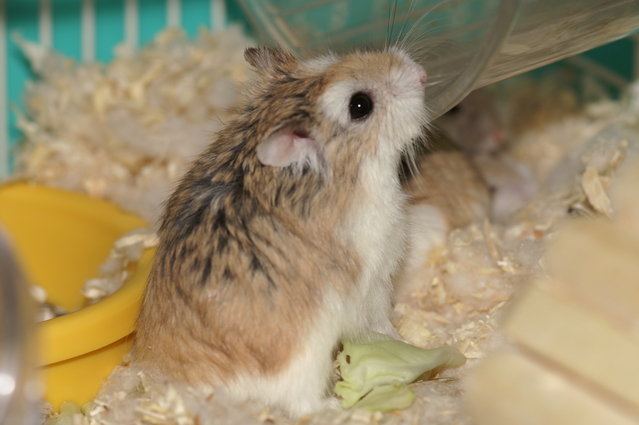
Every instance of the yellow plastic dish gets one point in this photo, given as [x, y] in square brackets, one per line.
[61, 238]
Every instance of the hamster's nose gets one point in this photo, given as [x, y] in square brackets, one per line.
[419, 73]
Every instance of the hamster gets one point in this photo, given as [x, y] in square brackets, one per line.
[476, 127]
[450, 182]
[284, 235]
[474, 124]
[446, 192]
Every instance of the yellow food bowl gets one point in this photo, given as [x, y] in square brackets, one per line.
[61, 238]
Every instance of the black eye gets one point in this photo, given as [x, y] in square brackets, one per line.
[361, 105]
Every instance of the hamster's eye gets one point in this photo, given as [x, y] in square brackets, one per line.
[360, 106]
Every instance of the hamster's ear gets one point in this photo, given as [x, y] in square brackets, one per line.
[269, 59]
[287, 147]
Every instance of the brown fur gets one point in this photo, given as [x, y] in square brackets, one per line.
[244, 248]
[450, 181]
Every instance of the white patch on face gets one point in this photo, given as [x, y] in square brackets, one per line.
[335, 100]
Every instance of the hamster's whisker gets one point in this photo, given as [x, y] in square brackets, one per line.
[421, 44]
[411, 160]
[411, 7]
[412, 157]
[328, 35]
[392, 11]
[422, 40]
[433, 82]
[419, 21]
[427, 55]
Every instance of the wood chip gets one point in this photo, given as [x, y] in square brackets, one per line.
[595, 192]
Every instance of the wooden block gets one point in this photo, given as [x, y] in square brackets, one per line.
[625, 195]
[579, 340]
[509, 388]
[578, 334]
[599, 263]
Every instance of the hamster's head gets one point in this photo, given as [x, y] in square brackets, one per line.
[334, 112]
[474, 124]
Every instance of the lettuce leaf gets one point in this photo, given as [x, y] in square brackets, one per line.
[378, 367]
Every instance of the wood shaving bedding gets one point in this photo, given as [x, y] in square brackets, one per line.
[110, 131]
[457, 295]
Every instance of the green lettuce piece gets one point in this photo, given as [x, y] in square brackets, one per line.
[386, 398]
[378, 360]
